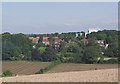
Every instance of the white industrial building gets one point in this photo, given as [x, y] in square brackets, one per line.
[93, 30]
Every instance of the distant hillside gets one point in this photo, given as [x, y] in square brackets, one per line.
[99, 47]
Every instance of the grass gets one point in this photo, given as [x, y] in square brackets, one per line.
[50, 66]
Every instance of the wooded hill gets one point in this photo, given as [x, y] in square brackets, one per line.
[96, 47]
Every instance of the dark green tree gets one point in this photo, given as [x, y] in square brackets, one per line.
[49, 54]
[36, 55]
[91, 54]
[16, 47]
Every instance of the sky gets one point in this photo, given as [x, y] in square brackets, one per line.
[50, 17]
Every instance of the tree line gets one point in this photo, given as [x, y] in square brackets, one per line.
[81, 49]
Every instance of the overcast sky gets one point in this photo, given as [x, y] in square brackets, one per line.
[50, 17]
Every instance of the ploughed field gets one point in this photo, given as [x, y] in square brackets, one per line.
[29, 68]
[68, 67]
[23, 67]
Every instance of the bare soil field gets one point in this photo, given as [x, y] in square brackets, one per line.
[23, 67]
[103, 75]
[67, 67]
[29, 68]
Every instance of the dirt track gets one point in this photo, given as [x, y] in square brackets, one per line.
[104, 75]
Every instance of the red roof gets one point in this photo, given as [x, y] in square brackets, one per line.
[34, 39]
[45, 38]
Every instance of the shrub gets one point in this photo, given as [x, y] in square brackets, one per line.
[41, 71]
[111, 61]
[51, 65]
[7, 73]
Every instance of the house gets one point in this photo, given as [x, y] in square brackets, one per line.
[80, 34]
[34, 39]
[77, 34]
[45, 41]
[101, 43]
[57, 42]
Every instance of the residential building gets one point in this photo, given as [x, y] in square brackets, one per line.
[80, 34]
[34, 39]
[101, 43]
[45, 41]
[57, 42]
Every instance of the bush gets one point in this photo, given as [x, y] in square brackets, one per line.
[118, 60]
[41, 71]
[7, 73]
[111, 61]
[51, 65]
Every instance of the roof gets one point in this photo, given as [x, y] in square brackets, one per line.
[45, 38]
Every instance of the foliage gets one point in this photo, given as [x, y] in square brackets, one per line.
[112, 50]
[41, 71]
[35, 55]
[91, 54]
[42, 49]
[111, 61]
[62, 47]
[50, 66]
[49, 54]
[16, 47]
[7, 73]
[73, 49]
[40, 44]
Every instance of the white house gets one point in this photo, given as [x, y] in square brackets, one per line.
[80, 34]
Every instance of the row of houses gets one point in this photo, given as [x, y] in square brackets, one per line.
[57, 40]
[101, 43]
[46, 42]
